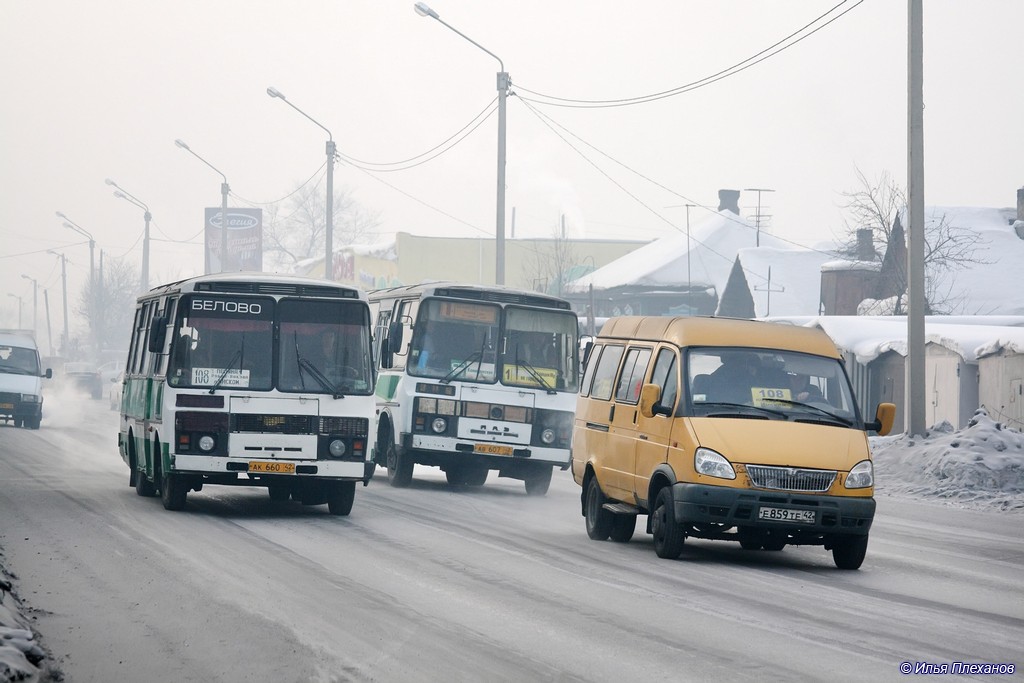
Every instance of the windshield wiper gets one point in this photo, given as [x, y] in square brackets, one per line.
[462, 367]
[837, 418]
[522, 362]
[227, 368]
[742, 406]
[315, 373]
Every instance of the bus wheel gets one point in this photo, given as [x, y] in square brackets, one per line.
[341, 497]
[668, 534]
[400, 466]
[623, 527]
[476, 476]
[599, 520]
[537, 483]
[32, 422]
[173, 491]
[143, 486]
[279, 492]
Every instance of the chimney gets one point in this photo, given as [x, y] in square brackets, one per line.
[730, 199]
[865, 245]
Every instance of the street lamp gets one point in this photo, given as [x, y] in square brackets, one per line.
[64, 290]
[19, 307]
[329, 218]
[35, 303]
[124, 194]
[503, 86]
[224, 189]
[68, 223]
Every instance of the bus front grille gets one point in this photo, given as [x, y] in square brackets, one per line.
[273, 424]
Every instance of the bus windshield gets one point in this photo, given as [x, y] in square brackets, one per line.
[481, 342]
[325, 347]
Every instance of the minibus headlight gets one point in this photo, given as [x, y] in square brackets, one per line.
[706, 461]
[548, 436]
[336, 448]
[206, 443]
[30, 398]
[439, 425]
[861, 476]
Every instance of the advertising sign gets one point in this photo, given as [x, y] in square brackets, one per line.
[245, 240]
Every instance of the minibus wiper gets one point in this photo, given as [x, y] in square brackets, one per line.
[462, 368]
[837, 418]
[744, 406]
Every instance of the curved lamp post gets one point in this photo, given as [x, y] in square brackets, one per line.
[503, 86]
[124, 194]
[329, 218]
[224, 189]
[68, 223]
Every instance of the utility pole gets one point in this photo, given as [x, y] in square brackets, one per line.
[49, 331]
[915, 372]
[64, 295]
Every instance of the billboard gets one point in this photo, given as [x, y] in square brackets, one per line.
[245, 240]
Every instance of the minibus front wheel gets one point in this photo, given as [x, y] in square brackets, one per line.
[668, 533]
[599, 520]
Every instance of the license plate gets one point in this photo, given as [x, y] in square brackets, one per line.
[492, 449]
[786, 515]
[7, 406]
[272, 467]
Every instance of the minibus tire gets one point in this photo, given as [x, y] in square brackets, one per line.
[399, 467]
[537, 483]
[668, 534]
[599, 520]
[848, 553]
[623, 527]
[341, 497]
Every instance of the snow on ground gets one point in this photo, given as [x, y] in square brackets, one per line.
[980, 467]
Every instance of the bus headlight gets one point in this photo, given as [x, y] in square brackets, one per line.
[706, 461]
[548, 436]
[439, 425]
[861, 476]
[336, 448]
[206, 443]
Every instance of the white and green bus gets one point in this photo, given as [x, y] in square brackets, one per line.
[250, 379]
[474, 379]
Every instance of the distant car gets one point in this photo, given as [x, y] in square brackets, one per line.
[114, 391]
[84, 377]
[109, 370]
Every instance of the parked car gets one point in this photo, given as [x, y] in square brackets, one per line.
[84, 377]
[114, 391]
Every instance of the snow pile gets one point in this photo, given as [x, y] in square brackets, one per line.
[19, 652]
[980, 466]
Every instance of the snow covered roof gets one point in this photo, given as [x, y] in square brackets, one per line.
[709, 251]
[795, 284]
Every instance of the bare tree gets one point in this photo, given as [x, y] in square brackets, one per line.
[880, 206]
[109, 307]
[295, 228]
[552, 263]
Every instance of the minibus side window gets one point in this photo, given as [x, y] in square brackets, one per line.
[632, 377]
[604, 376]
[588, 376]
[666, 377]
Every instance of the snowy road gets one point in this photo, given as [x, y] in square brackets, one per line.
[428, 583]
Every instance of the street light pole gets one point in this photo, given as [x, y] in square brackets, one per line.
[68, 223]
[224, 189]
[503, 86]
[329, 218]
[64, 292]
[124, 194]
[35, 304]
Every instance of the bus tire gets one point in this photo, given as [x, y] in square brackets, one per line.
[279, 492]
[668, 534]
[537, 483]
[341, 497]
[173, 491]
[32, 422]
[143, 486]
[400, 466]
[599, 520]
[477, 476]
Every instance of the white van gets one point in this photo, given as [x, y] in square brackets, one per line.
[21, 387]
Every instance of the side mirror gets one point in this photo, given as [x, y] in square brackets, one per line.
[394, 341]
[157, 334]
[885, 415]
[650, 395]
[48, 374]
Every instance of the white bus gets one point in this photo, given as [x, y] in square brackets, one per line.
[249, 379]
[473, 379]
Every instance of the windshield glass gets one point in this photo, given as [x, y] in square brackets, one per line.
[18, 360]
[769, 382]
[223, 341]
[455, 340]
[324, 347]
[540, 349]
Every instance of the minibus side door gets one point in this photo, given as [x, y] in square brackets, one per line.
[654, 433]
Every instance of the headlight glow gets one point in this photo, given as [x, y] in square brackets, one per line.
[30, 398]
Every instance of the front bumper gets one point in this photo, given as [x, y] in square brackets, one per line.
[320, 469]
[720, 505]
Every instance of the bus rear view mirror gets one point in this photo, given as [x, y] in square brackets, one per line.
[158, 335]
[395, 337]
